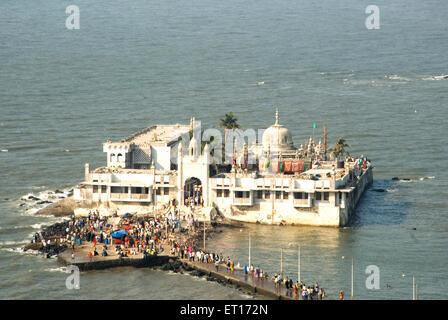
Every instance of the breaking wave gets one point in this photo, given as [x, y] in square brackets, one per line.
[435, 78]
[60, 269]
[397, 77]
[35, 201]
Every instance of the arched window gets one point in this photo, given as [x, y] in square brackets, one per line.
[112, 157]
[119, 157]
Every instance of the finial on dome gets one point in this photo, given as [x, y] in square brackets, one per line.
[276, 116]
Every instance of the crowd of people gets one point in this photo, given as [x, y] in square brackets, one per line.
[150, 236]
[298, 289]
[143, 235]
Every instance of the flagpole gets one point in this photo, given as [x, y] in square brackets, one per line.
[281, 261]
[298, 273]
[249, 251]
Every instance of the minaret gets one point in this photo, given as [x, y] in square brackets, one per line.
[325, 142]
[180, 188]
[276, 116]
[86, 171]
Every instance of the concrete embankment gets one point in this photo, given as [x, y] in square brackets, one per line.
[263, 287]
[96, 263]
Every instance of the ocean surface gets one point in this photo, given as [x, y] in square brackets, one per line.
[137, 63]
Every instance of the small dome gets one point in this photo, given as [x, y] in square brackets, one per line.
[277, 138]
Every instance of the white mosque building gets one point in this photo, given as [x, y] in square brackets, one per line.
[153, 170]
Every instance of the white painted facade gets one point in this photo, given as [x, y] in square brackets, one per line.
[150, 169]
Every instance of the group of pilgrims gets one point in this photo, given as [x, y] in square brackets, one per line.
[148, 235]
[298, 289]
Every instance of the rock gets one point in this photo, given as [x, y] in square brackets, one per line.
[33, 198]
[210, 279]
[167, 266]
[58, 191]
[197, 273]
[44, 202]
[379, 190]
[400, 179]
[188, 268]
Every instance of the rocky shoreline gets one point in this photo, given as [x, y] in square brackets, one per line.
[51, 233]
[64, 207]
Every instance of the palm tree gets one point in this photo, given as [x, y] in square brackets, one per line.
[339, 148]
[229, 122]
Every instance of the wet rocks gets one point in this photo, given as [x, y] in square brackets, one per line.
[400, 179]
[44, 202]
[197, 273]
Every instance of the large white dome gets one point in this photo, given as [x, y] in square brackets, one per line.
[277, 138]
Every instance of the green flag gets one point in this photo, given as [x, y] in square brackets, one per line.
[314, 125]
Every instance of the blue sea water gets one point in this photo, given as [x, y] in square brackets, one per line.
[133, 64]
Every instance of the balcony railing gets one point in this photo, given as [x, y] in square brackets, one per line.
[242, 201]
[134, 197]
[302, 203]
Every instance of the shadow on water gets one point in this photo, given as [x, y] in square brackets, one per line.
[381, 204]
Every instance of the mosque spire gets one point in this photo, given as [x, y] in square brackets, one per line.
[276, 116]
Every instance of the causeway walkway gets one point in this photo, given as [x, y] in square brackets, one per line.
[261, 286]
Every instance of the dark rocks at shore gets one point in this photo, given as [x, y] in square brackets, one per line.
[33, 198]
[174, 265]
[379, 190]
[52, 233]
[52, 250]
[197, 273]
[48, 250]
[400, 179]
[56, 230]
[44, 202]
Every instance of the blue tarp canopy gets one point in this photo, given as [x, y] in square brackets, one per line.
[119, 234]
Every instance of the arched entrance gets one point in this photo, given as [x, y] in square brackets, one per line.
[193, 191]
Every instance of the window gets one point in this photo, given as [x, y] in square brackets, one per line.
[119, 157]
[267, 194]
[318, 195]
[326, 196]
[259, 194]
[219, 193]
[112, 157]
[115, 189]
[158, 191]
[238, 194]
[166, 191]
[285, 195]
[278, 195]
[226, 193]
[300, 195]
[95, 188]
[103, 189]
